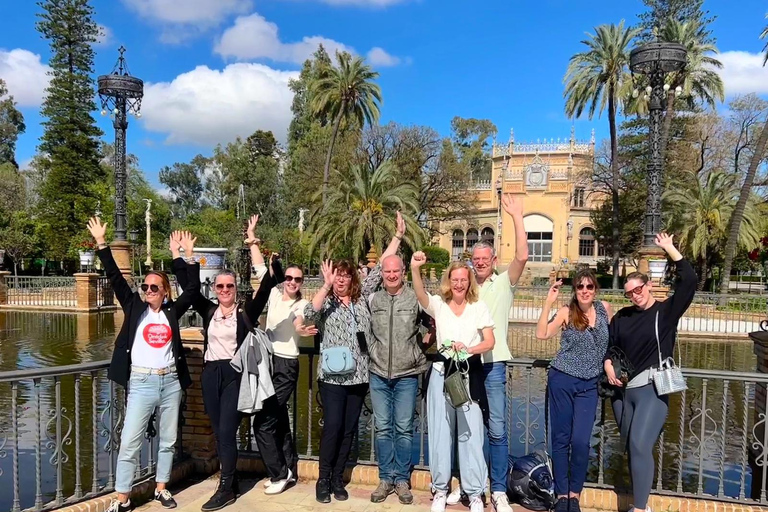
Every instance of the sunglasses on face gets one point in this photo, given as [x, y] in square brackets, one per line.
[297, 280]
[634, 291]
[152, 287]
[228, 286]
[589, 286]
[344, 276]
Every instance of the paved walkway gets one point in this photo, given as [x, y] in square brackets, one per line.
[300, 498]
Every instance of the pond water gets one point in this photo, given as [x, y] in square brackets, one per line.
[34, 340]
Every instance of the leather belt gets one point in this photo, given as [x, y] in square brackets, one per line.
[154, 371]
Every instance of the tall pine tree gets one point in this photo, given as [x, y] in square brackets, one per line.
[659, 11]
[70, 141]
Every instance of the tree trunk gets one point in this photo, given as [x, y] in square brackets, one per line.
[667, 126]
[741, 205]
[614, 184]
[327, 169]
[702, 275]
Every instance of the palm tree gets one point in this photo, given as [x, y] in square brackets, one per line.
[698, 80]
[346, 92]
[764, 35]
[597, 78]
[744, 195]
[702, 209]
[361, 211]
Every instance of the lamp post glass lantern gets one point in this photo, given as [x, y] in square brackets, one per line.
[120, 95]
[655, 60]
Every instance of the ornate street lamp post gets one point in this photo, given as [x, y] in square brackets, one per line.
[120, 95]
[655, 60]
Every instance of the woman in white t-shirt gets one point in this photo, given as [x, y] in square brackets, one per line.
[466, 322]
[285, 326]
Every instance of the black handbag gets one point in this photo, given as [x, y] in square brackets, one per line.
[623, 369]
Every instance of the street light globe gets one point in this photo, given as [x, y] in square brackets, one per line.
[103, 112]
[115, 111]
[635, 93]
[678, 90]
[648, 90]
[666, 87]
[138, 114]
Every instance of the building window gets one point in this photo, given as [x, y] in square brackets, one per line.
[540, 246]
[472, 238]
[602, 250]
[578, 197]
[487, 236]
[457, 244]
[587, 243]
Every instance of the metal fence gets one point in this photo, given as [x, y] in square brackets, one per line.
[41, 291]
[65, 422]
[105, 296]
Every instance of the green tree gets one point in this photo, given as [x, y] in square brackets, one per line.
[347, 93]
[699, 80]
[661, 11]
[597, 78]
[11, 126]
[471, 138]
[70, 141]
[764, 35]
[312, 70]
[361, 211]
[12, 192]
[186, 182]
[702, 207]
[18, 238]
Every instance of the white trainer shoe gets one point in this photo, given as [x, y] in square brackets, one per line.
[500, 502]
[438, 502]
[279, 486]
[476, 504]
[455, 497]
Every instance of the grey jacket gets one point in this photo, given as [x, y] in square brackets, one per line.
[396, 321]
[254, 360]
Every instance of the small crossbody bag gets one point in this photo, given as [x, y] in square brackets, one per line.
[668, 378]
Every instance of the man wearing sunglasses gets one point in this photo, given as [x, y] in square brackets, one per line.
[497, 291]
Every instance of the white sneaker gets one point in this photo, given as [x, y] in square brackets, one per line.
[438, 502]
[455, 497]
[116, 506]
[500, 502]
[476, 504]
[279, 486]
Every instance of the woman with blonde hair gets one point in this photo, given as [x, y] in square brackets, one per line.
[572, 381]
[465, 322]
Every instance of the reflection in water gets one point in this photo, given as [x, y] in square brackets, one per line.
[33, 340]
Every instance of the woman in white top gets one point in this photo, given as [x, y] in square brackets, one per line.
[466, 321]
[285, 326]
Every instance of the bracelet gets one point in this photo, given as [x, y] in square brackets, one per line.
[190, 260]
[398, 237]
[103, 246]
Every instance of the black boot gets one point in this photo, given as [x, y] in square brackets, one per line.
[323, 490]
[224, 495]
[339, 492]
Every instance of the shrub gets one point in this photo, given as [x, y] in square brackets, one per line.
[437, 255]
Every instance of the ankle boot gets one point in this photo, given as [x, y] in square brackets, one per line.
[339, 492]
[224, 495]
[323, 490]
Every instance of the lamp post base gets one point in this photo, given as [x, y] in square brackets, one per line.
[121, 252]
[646, 255]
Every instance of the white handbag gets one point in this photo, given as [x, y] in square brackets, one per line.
[668, 378]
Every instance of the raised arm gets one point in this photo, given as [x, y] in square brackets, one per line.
[254, 246]
[513, 206]
[329, 276]
[545, 328]
[394, 244]
[179, 268]
[254, 308]
[191, 290]
[686, 288]
[120, 286]
[417, 260]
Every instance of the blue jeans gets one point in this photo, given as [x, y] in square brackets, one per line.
[496, 448]
[145, 392]
[394, 405]
[572, 408]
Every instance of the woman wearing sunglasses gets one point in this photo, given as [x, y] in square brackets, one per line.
[284, 327]
[640, 412]
[149, 362]
[572, 381]
[226, 324]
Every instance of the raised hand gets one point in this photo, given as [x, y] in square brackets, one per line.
[554, 291]
[329, 273]
[187, 243]
[664, 241]
[513, 205]
[98, 230]
[174, 242]
[251, 230]
[400, 225]
[306, 330]
[418, 259]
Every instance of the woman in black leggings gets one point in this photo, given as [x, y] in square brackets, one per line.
[640, 412]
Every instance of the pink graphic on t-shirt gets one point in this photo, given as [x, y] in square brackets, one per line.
[157, 335]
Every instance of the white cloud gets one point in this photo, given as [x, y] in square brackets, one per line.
[743, 72]
[364, 3]
[379, 57]
[253, 37]
[25, 75]
[185, 19]
[207, 106]
[105, 35]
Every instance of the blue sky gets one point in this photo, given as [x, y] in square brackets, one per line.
[216, 69]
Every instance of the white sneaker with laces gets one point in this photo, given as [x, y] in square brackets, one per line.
[279, 486]
[476, 504]
[455, 497]
[438, 502]
[500, 502]
[116, 506]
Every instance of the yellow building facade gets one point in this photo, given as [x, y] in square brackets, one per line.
[554, 178]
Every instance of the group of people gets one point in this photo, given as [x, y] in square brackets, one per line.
[373, 335]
